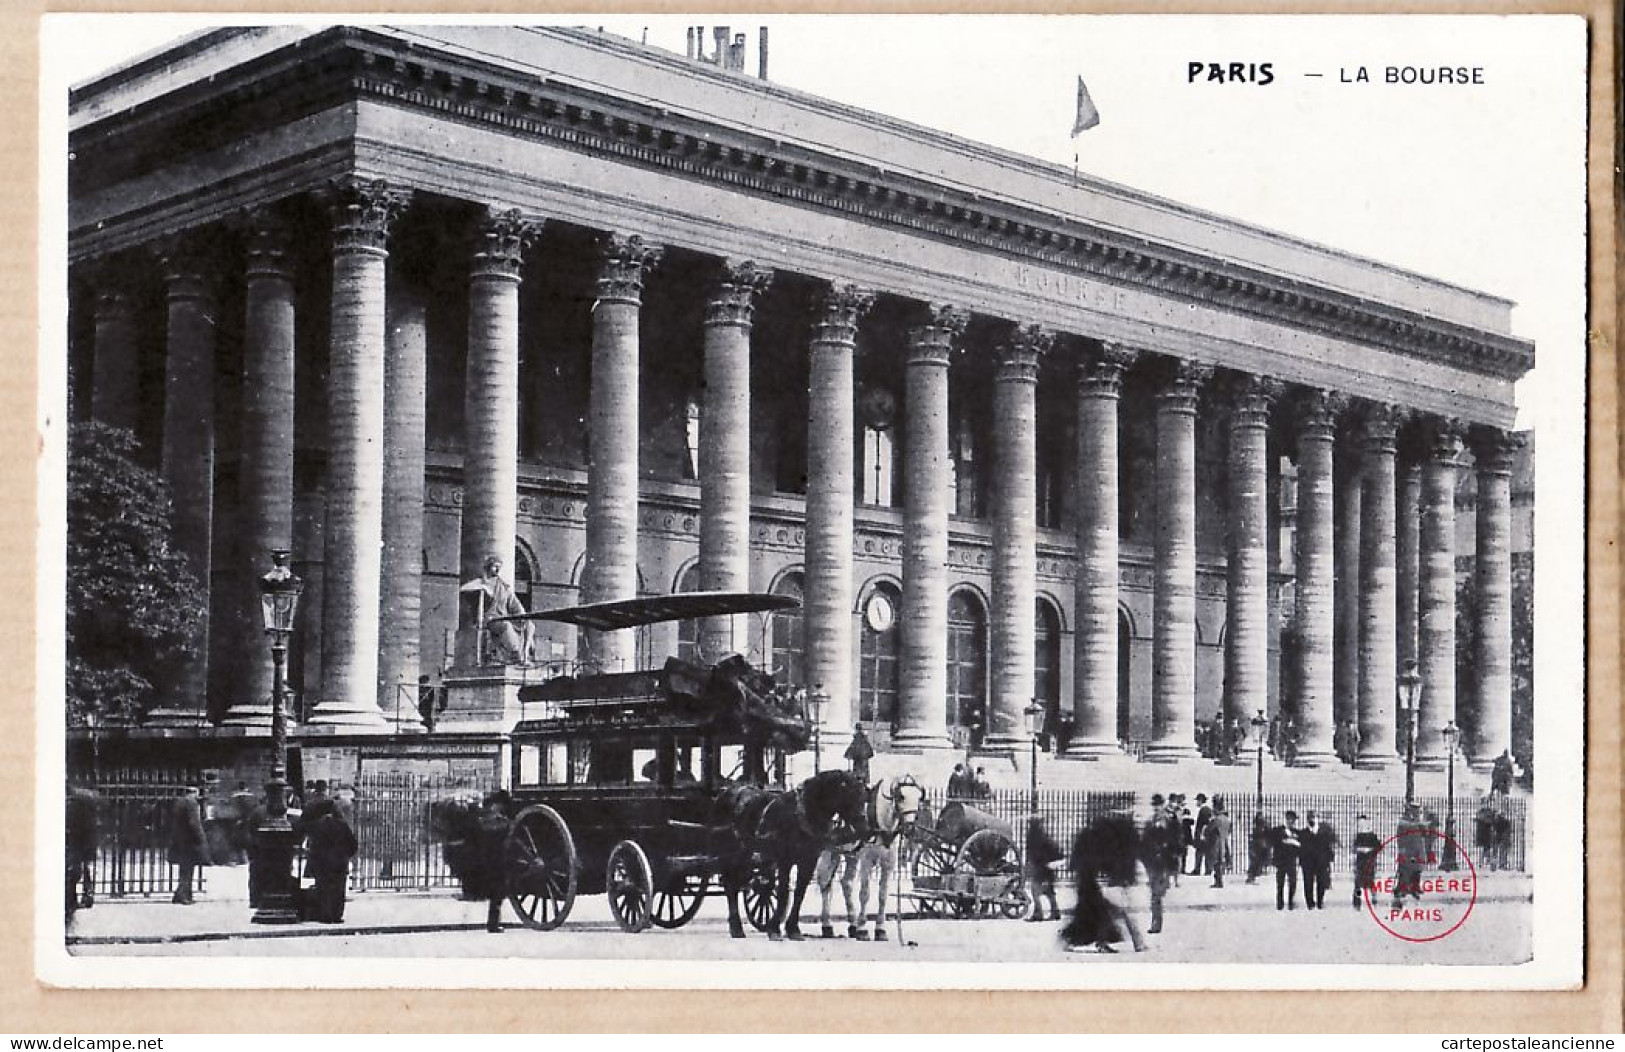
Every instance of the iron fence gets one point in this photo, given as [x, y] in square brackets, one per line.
[135, 810]
[396, 845]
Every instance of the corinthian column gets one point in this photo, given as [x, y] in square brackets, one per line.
[491, 415]
[1173, 669]
[1317, 427]
[1378, 628]
[400, 624]
[1015, 532]
[266, 472]
[830, 456]
[1437, 638]
[611, 571]
[1493, 451]
[115, 382]
[922, 722]
[1246, 638]
[188, 459]
[352, 557]
[725, 450]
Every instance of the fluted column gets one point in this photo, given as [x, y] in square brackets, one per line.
[115, 390]
[1493, 451]
[1173, 669]
[1317, 427]
[611, 571]
[1347, 467]
[828, 584]
[188, 458]
[491, 398]
[1246, 639]
[1378, 598]
[1015, 533]
[265, 474]
[1407, 532]
[1437, 637]
[725, 450]
[400, 618]
[1094, 660]
[353, 542]
[923, 719]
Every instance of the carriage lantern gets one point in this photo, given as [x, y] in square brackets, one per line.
[271, 878]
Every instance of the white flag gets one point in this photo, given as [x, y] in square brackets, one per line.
[1088, 116]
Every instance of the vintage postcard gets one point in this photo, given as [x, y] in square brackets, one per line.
[1041, 502]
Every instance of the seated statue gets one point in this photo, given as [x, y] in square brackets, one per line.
[501, 642]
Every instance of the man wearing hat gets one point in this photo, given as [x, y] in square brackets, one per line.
[188, 847]
[1159, 851]
[1286, 846]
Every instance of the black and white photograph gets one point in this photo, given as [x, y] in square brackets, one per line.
[761, 501]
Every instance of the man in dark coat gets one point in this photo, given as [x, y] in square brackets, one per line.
[1414, 849]
[1161, 848]
[1285, 848]
[1204, 815]
[491, 846]
[83, 835]
[1216, 842]
[959, 783]
[1041, 857]
[1319, 848]
[859, 753]
[1366, 846]
[329, 845]
[188, 847]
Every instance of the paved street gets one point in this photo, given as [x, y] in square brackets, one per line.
[1205, 925]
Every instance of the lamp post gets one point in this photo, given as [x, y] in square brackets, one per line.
[1035, 724]
[1260, 732]
[275, 840]
[1450, 732]
[816, 702]
[1410, 681]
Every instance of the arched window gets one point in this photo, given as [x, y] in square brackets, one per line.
[688, 629]
[524, 576]
[877, 467]
[879, 646]
[1047, 662]
[789, 648]
[967, 663]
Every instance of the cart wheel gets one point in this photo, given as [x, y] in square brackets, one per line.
[1017, 904]
[762, 895]
[629, 883]
[985, 853]
[541, 860]
[675, 907]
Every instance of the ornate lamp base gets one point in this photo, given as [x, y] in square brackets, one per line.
[273, 887]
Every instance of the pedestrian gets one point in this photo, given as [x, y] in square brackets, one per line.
[330, 843]
[1352, 737]
[1258, 848]
[1366, 846]
[1104, 866]
[980, 788]
[1042, 856]
[1413, 848]
[245, 807]
[958, 783]
[426, 708]
[1502, 859]
[188, 847]
[859, 753]
[1501, 774]
[1285, 847]
[1216, 842]
[1160, 851]
[1484, 832]
[82, 821]
[1315, 858]
[1204, 815]
[491, 851]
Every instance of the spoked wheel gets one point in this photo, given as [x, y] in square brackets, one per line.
[1017, 904]
[762, 895]
[985, 853]
[676, 905]
[541, 860]
[629, 883]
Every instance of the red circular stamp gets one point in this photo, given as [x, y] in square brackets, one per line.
[1422, 886]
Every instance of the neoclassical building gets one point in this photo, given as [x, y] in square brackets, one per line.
[402, 298]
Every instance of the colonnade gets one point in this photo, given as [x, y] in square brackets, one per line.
[1354, 547]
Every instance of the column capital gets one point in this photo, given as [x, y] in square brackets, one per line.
[1317, 412]
[1494, 449]
[501, 237]
[1100, 373]
[189, 266]
[933, 342]
[362, 212]
[840, 309]
[267, 243]
[1250, 398]
[623, 259]
[1443, 438]
[1182, 383]
[734, 301]
[1378, 425]
[1018, 357]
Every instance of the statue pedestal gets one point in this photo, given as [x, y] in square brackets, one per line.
[481, 700]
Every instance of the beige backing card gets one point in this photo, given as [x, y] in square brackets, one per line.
[27, 1006]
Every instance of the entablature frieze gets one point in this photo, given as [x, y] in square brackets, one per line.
[353, 63]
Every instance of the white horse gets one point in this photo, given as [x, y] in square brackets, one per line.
[894, 805]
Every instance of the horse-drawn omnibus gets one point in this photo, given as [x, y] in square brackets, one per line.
[661, 787]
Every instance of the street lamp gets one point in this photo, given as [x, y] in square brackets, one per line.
[1035, 725]
[1260, 732]
[275, 840]
[1410, 681]
[816, 702]
[1450, 732]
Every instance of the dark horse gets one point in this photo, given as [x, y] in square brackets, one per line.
[765, 830]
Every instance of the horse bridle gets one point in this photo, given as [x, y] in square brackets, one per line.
[882, 836]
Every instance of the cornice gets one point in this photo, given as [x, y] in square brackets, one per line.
[349, 63]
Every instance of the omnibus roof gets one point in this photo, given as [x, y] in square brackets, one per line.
[648, 610]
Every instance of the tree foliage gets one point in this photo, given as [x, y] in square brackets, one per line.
[132, 601]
